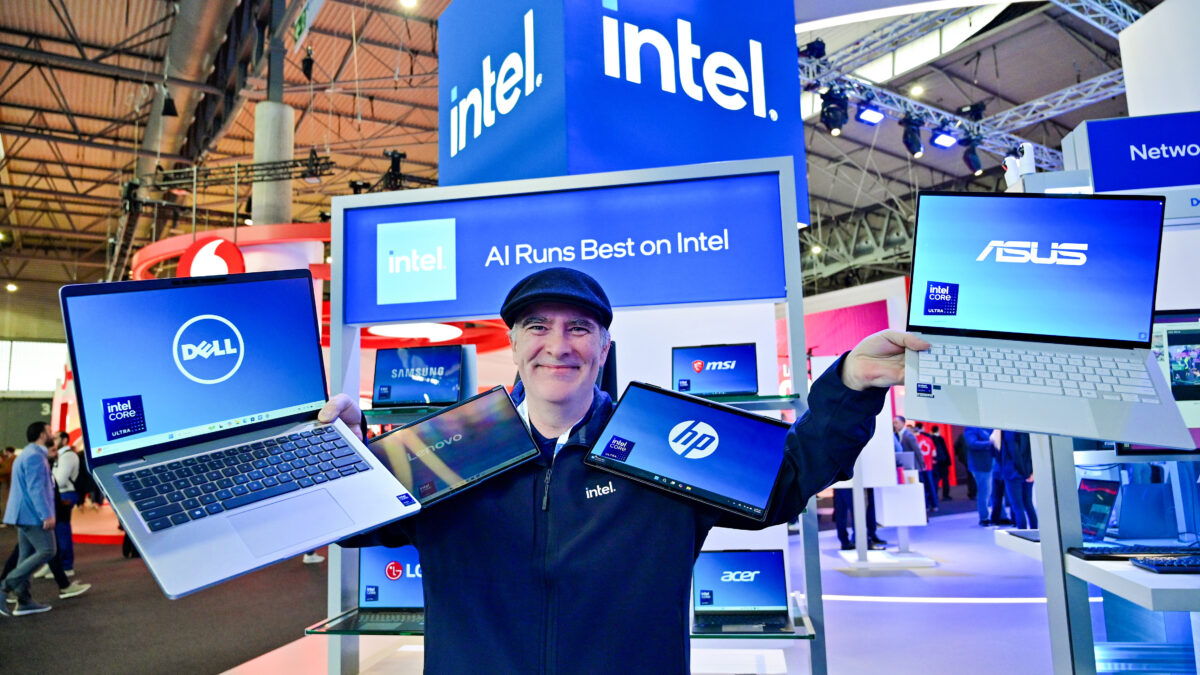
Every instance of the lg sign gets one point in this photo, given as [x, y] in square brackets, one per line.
[693, 439]
[396, 570]
[208, 349]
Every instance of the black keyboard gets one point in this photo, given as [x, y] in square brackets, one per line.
[372, 617]
[1185, 565]
[738, 620]
[1126, 552]
[178, 492]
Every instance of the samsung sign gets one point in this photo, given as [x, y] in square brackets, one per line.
[534, 88]
[1155, 151]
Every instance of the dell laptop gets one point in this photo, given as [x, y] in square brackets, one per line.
[715, 370]
[1038, 309]
[198, 399]
[458, 447]
[693, 448]
[740, 592]
[417, 377]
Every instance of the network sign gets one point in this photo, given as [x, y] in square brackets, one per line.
[533, 88]
[1155, 151]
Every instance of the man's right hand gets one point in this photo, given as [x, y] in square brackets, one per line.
[342, 406]
[48, 524]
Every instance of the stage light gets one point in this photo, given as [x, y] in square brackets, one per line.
[434, 332]
[912, 136]
[971, 156]
[169, 109]
[312, 171]
[834, 111]
[943, 139]
[973, 112]
[408, 4]
[816, 249]
[11, 287]
[869, 115]
[916, 90]
[359, 186]
[814, 50]
[306, 65]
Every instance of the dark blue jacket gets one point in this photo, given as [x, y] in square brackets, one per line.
[980, 452]
[525, 574]
[1016, 458]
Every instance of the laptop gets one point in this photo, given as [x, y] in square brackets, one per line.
[1175, 344]
[198, 399]
[1096, 500]
[693, 448]
[740, 592]
[417, 376]
[461, 446]
[391, 599]
[1038, 308]
[715, 370]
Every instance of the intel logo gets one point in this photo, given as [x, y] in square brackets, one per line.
[693, 439]
[208, 349]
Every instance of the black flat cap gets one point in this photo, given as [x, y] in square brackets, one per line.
[557, 284]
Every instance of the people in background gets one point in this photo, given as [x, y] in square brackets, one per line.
[843, 518]
[7, 457]
[925, 463]
[31, 509]
[66, 472]
[981, 456]
[999, 517]
[1016, 470]
[941, 461]
[964, 471]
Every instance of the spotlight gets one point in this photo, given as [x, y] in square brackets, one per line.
[323, 216]
[943, 139]
[11, 287]
[169, 109]
[916, 90]
[912, 136]
[814, 50]
[306, 64]
[408, 4]
[971, 156]
[834, 111]
[868, 114]
[359, 186]
[312, 172]
[973, 112]
[816, 249]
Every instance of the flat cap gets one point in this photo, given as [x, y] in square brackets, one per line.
[557, 284]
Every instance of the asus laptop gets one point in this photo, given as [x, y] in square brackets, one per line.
[458, 447]
[1096, 500]
[694, 448]
[715, 370]
[1038, 308]
[740, 592]
[198, 399]
[417, 376]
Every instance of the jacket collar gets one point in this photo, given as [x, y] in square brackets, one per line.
[585, 432]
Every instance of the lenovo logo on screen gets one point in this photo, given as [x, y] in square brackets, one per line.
[1027, 251]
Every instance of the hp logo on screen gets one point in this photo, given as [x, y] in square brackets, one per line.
[693, 439]
[208, 349]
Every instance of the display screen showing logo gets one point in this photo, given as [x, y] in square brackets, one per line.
[694, 439]
[941, 298]
[416, 261]
[715, 369]
[698, 366]
[393, 570]
[123, 416]
[1027, 252]
[208, 349]
[618, 448]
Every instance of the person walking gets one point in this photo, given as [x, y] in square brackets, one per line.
[981, 457]
[31, 509]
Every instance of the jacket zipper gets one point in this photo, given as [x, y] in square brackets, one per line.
[546, 494]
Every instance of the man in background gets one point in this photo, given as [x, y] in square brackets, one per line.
[31, 509]
[7, 457]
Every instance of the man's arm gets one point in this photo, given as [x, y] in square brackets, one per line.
[978, 440]
[39, 485]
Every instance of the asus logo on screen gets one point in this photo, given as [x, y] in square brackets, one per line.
[739, 576]
[1027, 251]
[701, 366]
[693, 439]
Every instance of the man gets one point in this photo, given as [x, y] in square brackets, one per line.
[31, 509]
[1015, 468]
[526, 575]
[980, 459]
[843, 519]
[7, 456]
[925, 464]
[942, 461]
[66, 472]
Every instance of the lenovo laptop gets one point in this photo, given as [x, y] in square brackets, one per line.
[715, 370]
[1038, 308]
[198, 399]
[694, 448]
[740, 592]
[417, 376]
[458, 447]
[1096, 500]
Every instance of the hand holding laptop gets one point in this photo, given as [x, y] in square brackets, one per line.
[349, 412]
[878, 360]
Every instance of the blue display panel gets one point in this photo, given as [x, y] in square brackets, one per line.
[418, 376]
[698, 240]
[1152, 151]
[703, 450]
[389, 578]
[715, 369]
[1077, 267]
[161, 365]
[739, 581]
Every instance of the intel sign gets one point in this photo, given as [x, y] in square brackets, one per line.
[1155, 151]
[534, 88]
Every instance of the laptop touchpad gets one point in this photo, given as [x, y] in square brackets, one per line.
[277, 526]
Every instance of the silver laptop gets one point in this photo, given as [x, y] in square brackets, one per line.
[198, 399]
[1039, 308]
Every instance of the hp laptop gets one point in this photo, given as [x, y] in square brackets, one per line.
[691, 447]
[715, 370]
[1096, 500]
[740, 592]
[1038, 308]
[417, 376]
[198, 399]
[458, 447]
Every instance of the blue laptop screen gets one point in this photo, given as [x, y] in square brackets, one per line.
[694, 448]
[739, 581]
[418, 375]
[715, 369]
[165, 364]
[389, 578]
[1075, 267]
[1096, 499]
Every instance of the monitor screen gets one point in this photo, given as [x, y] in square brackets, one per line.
[418, 376]
[739, 581]
[1175, 344]
[1096, 499]
[1081, 267]
[170, 363]
[715, 369]
[389, 578]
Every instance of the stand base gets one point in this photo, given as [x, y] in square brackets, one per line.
[887, 560]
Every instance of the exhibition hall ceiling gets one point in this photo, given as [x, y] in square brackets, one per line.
[82, 86]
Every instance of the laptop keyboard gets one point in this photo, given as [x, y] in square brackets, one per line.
[178, 492]
[1036, 372]
[391, 617]
[739, 620]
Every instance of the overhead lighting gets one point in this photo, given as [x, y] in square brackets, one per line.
[408, 4]
[247, 222]
[328, 259]
[169, 109]
[434, 332]
[916, 90]
[306, 65]
[912, 136]
[814, 50]
[312, 171]
[973, 112]
[11, 287]
[179, 191]
[834, 111]
[943, 139]
[868, 114]
[971, 157]
[816, 249]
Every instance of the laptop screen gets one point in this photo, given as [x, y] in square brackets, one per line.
[389, 578]
[1175, 344]
[459, 446]
[739, 581]
[715, 369]
[692, 447]
[1096, 499]
[1081, 267]
[418, 376]
[173, 362]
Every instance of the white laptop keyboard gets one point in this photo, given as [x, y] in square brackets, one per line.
[1037, 372]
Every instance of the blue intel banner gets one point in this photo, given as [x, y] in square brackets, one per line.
[714, 239]
[1156, 151]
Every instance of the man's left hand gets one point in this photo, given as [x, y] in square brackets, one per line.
[878, 361]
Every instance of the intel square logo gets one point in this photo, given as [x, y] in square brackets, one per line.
[706, 597]
[941, 298]
[372, 594]
[618, 448]
[123, 416]
[415, 262]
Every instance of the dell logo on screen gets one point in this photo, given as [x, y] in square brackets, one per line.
[693, 439]
[1027, 251]
[215, 341]
[739, 576]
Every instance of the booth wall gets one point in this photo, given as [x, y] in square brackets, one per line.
[1161, 57]
[1177, 275]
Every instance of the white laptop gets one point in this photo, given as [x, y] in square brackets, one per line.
[1039, 311]
[198, 399]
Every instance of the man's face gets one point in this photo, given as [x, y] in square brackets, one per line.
[897, 425]
[558, 350]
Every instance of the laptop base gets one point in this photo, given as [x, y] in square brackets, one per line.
[357, 621]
